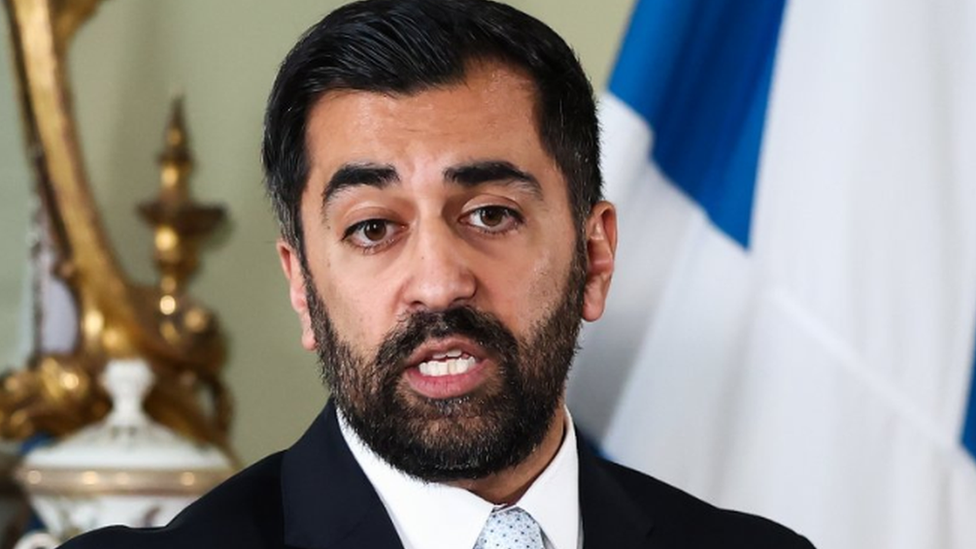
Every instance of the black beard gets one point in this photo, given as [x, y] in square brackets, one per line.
[468, 437]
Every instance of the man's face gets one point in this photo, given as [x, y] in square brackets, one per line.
[445, 280]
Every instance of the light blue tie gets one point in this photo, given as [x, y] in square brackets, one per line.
[510, 528]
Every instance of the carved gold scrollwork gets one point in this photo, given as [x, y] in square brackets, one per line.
[57, 393]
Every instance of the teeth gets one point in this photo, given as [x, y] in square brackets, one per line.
[453, 353]
[451, 366]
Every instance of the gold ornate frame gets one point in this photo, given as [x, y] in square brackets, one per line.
[58, 393]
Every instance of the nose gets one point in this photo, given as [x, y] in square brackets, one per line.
[439, 270]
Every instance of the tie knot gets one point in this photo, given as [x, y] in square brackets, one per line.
[510, 528]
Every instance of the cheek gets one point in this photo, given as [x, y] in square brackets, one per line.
[352, 307]
[548, 282]
[348, 301]
[530, 288]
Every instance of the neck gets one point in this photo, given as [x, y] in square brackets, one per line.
[508, 486]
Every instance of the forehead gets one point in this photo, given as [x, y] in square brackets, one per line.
[491, 113]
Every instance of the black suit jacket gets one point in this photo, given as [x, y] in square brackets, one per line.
[315, 496]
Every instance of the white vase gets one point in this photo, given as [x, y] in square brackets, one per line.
[126, 469]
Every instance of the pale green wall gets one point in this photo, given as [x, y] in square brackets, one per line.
[223, 55]
[14, 212]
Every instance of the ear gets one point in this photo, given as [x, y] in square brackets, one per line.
[292, 267]
[601, 246]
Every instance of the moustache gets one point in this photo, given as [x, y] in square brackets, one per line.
[465, 321]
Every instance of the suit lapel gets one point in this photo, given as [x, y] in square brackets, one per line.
[610, 516]
[328, 501]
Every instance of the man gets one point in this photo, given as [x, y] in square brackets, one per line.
[434, 168]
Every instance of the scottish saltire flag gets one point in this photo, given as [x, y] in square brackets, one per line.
[791, 327]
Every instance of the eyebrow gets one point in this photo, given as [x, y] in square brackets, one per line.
[466, 175]
[354, 175]
[493, 171]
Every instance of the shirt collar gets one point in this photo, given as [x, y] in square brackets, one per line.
[438, 516]
[553, 499]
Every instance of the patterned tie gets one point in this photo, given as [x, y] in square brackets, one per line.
[510, 528]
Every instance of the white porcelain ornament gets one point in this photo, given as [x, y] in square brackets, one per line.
[126, 469]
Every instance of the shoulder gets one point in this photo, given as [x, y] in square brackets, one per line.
[687, 521]
[245, 511]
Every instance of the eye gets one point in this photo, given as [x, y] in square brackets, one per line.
[494, 219]
[370, 233]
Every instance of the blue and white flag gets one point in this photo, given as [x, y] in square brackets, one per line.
[792, 321]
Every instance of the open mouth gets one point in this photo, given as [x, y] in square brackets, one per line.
[448, 368]
[452, 362]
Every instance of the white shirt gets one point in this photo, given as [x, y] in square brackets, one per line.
[437, 516]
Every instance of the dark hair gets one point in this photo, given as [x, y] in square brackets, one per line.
[407, 46]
